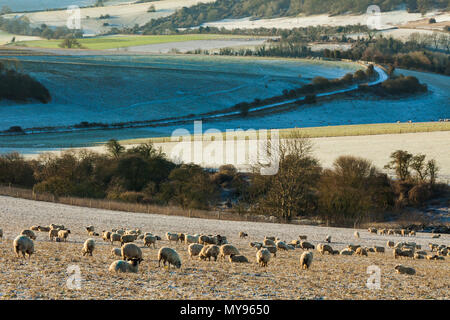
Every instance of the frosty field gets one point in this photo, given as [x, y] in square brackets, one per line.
[330, 277]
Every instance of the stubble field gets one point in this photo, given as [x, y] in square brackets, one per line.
[44, 276]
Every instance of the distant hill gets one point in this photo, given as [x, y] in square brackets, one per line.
[234, 9]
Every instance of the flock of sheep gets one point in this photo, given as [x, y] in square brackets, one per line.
[206, 247]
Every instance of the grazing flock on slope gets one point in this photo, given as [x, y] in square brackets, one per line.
[206, 247]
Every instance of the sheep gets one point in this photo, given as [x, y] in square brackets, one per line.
[172, 236]
[412, 233]
[256, 245]
[435, 236]
[443, 252]
[353, 247]
[295, 243]
[124, 266]
[346, 252]
[88, 247]
[282, 245]
[209, 251]
[194, 249]
[335, 252]
[390, 244]
[30, 234]
[404, 270]
[306, 245]
[227, 250]
[269, 242]
[205, 240]
[372, 230]
[106, 235]
[56, 226]
[43, 229]
[272, 250]
[188, 239]
[433, 246]
[378, 249]
[356, 234]
[269, 238]
[421, 252]
[397, 252]
[263, 257]
[322, 248]
[418, 256]
[23, 244]
[382, 232]
[243, 235]
[221, 240]
[301, 237]
[116, 252]
[53, 233]
[181, 237]
[150, 240]
[434, 257]
[115, 237]
[306, 260]
[34, 228]
[328, 239]
[131, 251]
[403, 232]
[63, 234]
[369, 249]
[236, 258]
[361, 252]
[89, 229]
[169, 255]
[94, 234]
[290, 247]
[127, 238]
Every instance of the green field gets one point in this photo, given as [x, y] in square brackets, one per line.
[111, 42]
[336, 131]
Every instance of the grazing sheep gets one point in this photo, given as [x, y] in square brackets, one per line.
[115, 237]
[443, 252]
[188, 239]
[205, 240]
[150, 240]
[209, 251]
[404, 270]
[116, 252]
[347, 252]
[269, 238]
[263, 257]
[353, 247]
[23, 244]
[361, 252]
[169, 255]
[106, 235]
[422, 252]
[90, 229]
[382, 232]
[372, 230]
[131, 251]
[328, 239]
[306, 260]
[273, 250]
[194, 249]
[94, 234]
[418, 256]
[56, 226]
[433, 246]
[322, 248]
[181, 237]
[256, 245]
[391, 244]
[356, 234]
[220, 240]
[34, 228]
[306, 245]
[378, 249]
[390, 232]
[282, 245]
[403, 232]
[397, 252]
[172, 236]
[269, 242]
[412, 233]
[303, 237]
[243, 235]
[88, 247]
[369, 249]
[124, 266]
[53, 233]
[435, 236]
[228, 250]
[63, 234]
[30, 234]
[335, 252]
[127, 238]
[239, 259]
[43, 229]
[295, 243]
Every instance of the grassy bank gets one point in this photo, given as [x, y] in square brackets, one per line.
[111, 42]
[330, 131]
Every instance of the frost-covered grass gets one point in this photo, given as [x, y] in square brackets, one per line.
[111, 42]
[44, 276]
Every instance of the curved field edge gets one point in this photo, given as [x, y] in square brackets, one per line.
[320, 132]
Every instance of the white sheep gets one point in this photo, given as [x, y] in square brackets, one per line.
[172, 236]
[150, 240]
[346, 252]
[239, 259]
[130, 251]
[269, 242]
[356, 234]
[306, 245]
[127, 238]
[169, 255]
[124, 266]
[322, 248]
[188, 239]
[88, 247]
[194, 249]
[281, 245]
[328, 239]
[209, 251]
[306, 260]
[23, 244]
[115, 237]
[116, 252]
[263, 257]
[106, 235]
[63, 234]
[228, 250]
[243, 235]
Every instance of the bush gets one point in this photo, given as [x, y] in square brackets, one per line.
[403, 85]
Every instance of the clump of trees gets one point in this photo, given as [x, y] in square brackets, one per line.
[18, 86]
[403, 85]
